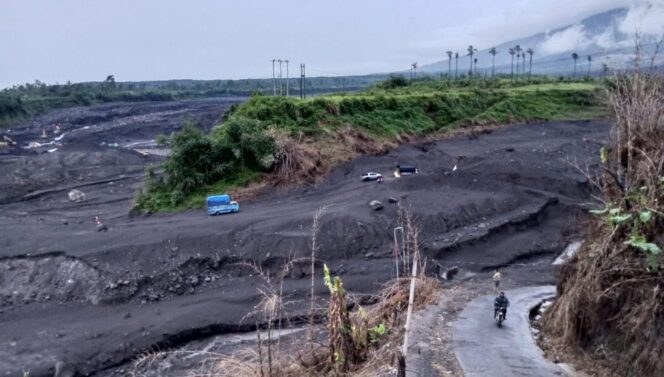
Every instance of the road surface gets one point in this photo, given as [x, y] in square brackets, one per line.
[483, 349]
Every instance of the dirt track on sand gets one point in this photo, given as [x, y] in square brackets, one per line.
[95, 300]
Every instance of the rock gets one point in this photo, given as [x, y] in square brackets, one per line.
[126, 315]
[376, 205]
[369, 255]
[76, 195]
[392, 199]
[449, 273]
[65, 222]
[102, 228]
[63, 369]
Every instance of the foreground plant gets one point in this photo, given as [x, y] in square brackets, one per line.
[611, 294]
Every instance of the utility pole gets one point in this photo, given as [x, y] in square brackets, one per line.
[281, 86]
[302, 81]
[414, 75]
[287, 78]
[274, 81]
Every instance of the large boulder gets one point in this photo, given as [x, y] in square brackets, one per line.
[376, 205]
[76, 195]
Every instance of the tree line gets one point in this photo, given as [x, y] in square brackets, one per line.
[519, 70]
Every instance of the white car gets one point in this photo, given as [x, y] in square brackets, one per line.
[371, 176]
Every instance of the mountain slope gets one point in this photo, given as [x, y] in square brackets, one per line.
[608, 37]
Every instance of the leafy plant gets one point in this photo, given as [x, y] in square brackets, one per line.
[612, 215]
[651, 250]
[376, 332]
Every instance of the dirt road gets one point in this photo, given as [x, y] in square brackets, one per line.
[484, 350]
[96, 299]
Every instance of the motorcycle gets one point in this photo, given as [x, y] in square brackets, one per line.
[500, 316]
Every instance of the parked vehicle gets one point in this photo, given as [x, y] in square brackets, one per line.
[218, 204]
[371, 176]
[403, 169]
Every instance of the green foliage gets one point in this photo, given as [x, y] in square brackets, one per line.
[394, 81]
[639, 241]
[645, 216]
[614, 216]
[603, 155]
[376, 332]
[200, 163]
[333, 284]
[245, 142]
[651, 250]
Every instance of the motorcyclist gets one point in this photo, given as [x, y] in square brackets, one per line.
[501, 303]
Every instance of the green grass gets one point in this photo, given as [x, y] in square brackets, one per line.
[159, 199]
[424, 107]
[384, 114]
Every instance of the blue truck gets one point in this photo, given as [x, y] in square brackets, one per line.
[218, 204]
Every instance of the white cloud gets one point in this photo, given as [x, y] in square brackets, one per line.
[648, 18]
[571, 38]
[606, 39]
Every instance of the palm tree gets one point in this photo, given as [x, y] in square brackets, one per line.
[575, 56]
[493, 53]
[590, 60]
[456, 64]
[511, 52]
[518, 50]
[475, 60]
[523, 69]
[449, 64]
[530, 52]
[471, 51]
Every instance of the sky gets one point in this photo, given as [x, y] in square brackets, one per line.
[86, 40]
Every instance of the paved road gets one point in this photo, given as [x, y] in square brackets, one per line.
[485, 350]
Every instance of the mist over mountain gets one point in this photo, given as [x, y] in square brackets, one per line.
[607, 37]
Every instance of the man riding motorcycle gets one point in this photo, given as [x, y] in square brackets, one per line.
[500, 303]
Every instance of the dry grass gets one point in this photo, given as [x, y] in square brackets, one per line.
[302, 159]
[611, 295]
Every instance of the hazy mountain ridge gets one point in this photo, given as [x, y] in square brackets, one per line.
[608, 37]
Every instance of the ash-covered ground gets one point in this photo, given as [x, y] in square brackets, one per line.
[95, 300]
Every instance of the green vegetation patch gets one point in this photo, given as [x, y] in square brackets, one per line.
[244, 147]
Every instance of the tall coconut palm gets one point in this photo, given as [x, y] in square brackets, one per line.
[449, 64]
[518, 50]
[511, 52]
[456, 64]
[575, 56]
[493, 53]
[590, 60]
[475, 61]
[523, 68]
[471, 52]
[530, 52]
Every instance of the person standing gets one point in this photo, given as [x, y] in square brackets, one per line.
[497, 277]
